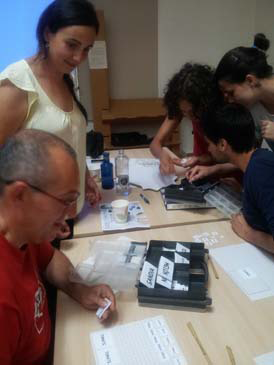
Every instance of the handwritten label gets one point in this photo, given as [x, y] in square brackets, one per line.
[180, 259]
[181, 248]
[166, 268]
[148, 275]
[108, 357]
[247, 273]
[164, 282]
[103, 340]
[100, 311]
[179, 361]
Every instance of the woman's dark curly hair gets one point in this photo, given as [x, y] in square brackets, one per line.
[193, 83]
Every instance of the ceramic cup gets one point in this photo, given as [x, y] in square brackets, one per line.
[120, 210]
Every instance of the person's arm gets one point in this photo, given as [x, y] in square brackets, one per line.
[199, 172]
[93, 194]
[267, 129]
[90, 297]
[163, 154]
[13, 109]
[249, 234]
[193, 161]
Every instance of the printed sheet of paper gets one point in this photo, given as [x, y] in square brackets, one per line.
[136, 217]
[145, 342]
[266, 359]
[144, 172]
[97, 57]
[249, 267]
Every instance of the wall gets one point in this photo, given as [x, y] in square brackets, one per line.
[131, 31]
[264, 23]
[18, 21]
[200, 30]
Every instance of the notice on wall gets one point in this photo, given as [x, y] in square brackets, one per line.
[97, 57]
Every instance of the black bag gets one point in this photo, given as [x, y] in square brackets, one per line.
[129, 139]
[95, 144]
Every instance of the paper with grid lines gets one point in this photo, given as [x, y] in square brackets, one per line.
[145, 342]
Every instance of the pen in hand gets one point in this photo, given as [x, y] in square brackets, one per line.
[144, 198]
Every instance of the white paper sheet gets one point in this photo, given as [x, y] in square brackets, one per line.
[97, 165]
[249, 267]
[145, 342]
[97, 57]
[266, 359]
[144, 172]
[136, 218]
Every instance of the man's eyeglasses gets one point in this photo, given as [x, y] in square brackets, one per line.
[65, 203]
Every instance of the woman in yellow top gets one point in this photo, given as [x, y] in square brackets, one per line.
[38, 92]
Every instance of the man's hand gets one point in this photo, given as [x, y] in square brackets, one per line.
[267, 129]
[189, 162]
[249, 234]
[199, 172]
[192, 161]
[232, 183]
[186, 162]
[166, 164]
[93, 195]
[90, 297]
[93, 297]
[241, 227]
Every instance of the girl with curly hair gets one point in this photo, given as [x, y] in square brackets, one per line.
[187, 95]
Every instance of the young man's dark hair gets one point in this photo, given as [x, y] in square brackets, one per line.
[232, 122]
[231, 134]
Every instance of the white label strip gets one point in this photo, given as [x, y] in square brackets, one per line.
[148, 275]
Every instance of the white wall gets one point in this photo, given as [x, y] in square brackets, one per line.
[200, 31]
[18, 21]
[264, 23]
[131, 32]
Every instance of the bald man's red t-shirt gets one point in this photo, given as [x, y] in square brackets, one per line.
[25, 327]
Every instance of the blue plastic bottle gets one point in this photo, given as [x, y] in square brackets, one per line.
[107, 172]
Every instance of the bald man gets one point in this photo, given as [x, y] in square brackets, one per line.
[39, 181]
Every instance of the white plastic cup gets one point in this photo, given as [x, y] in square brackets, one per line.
[120, 210]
